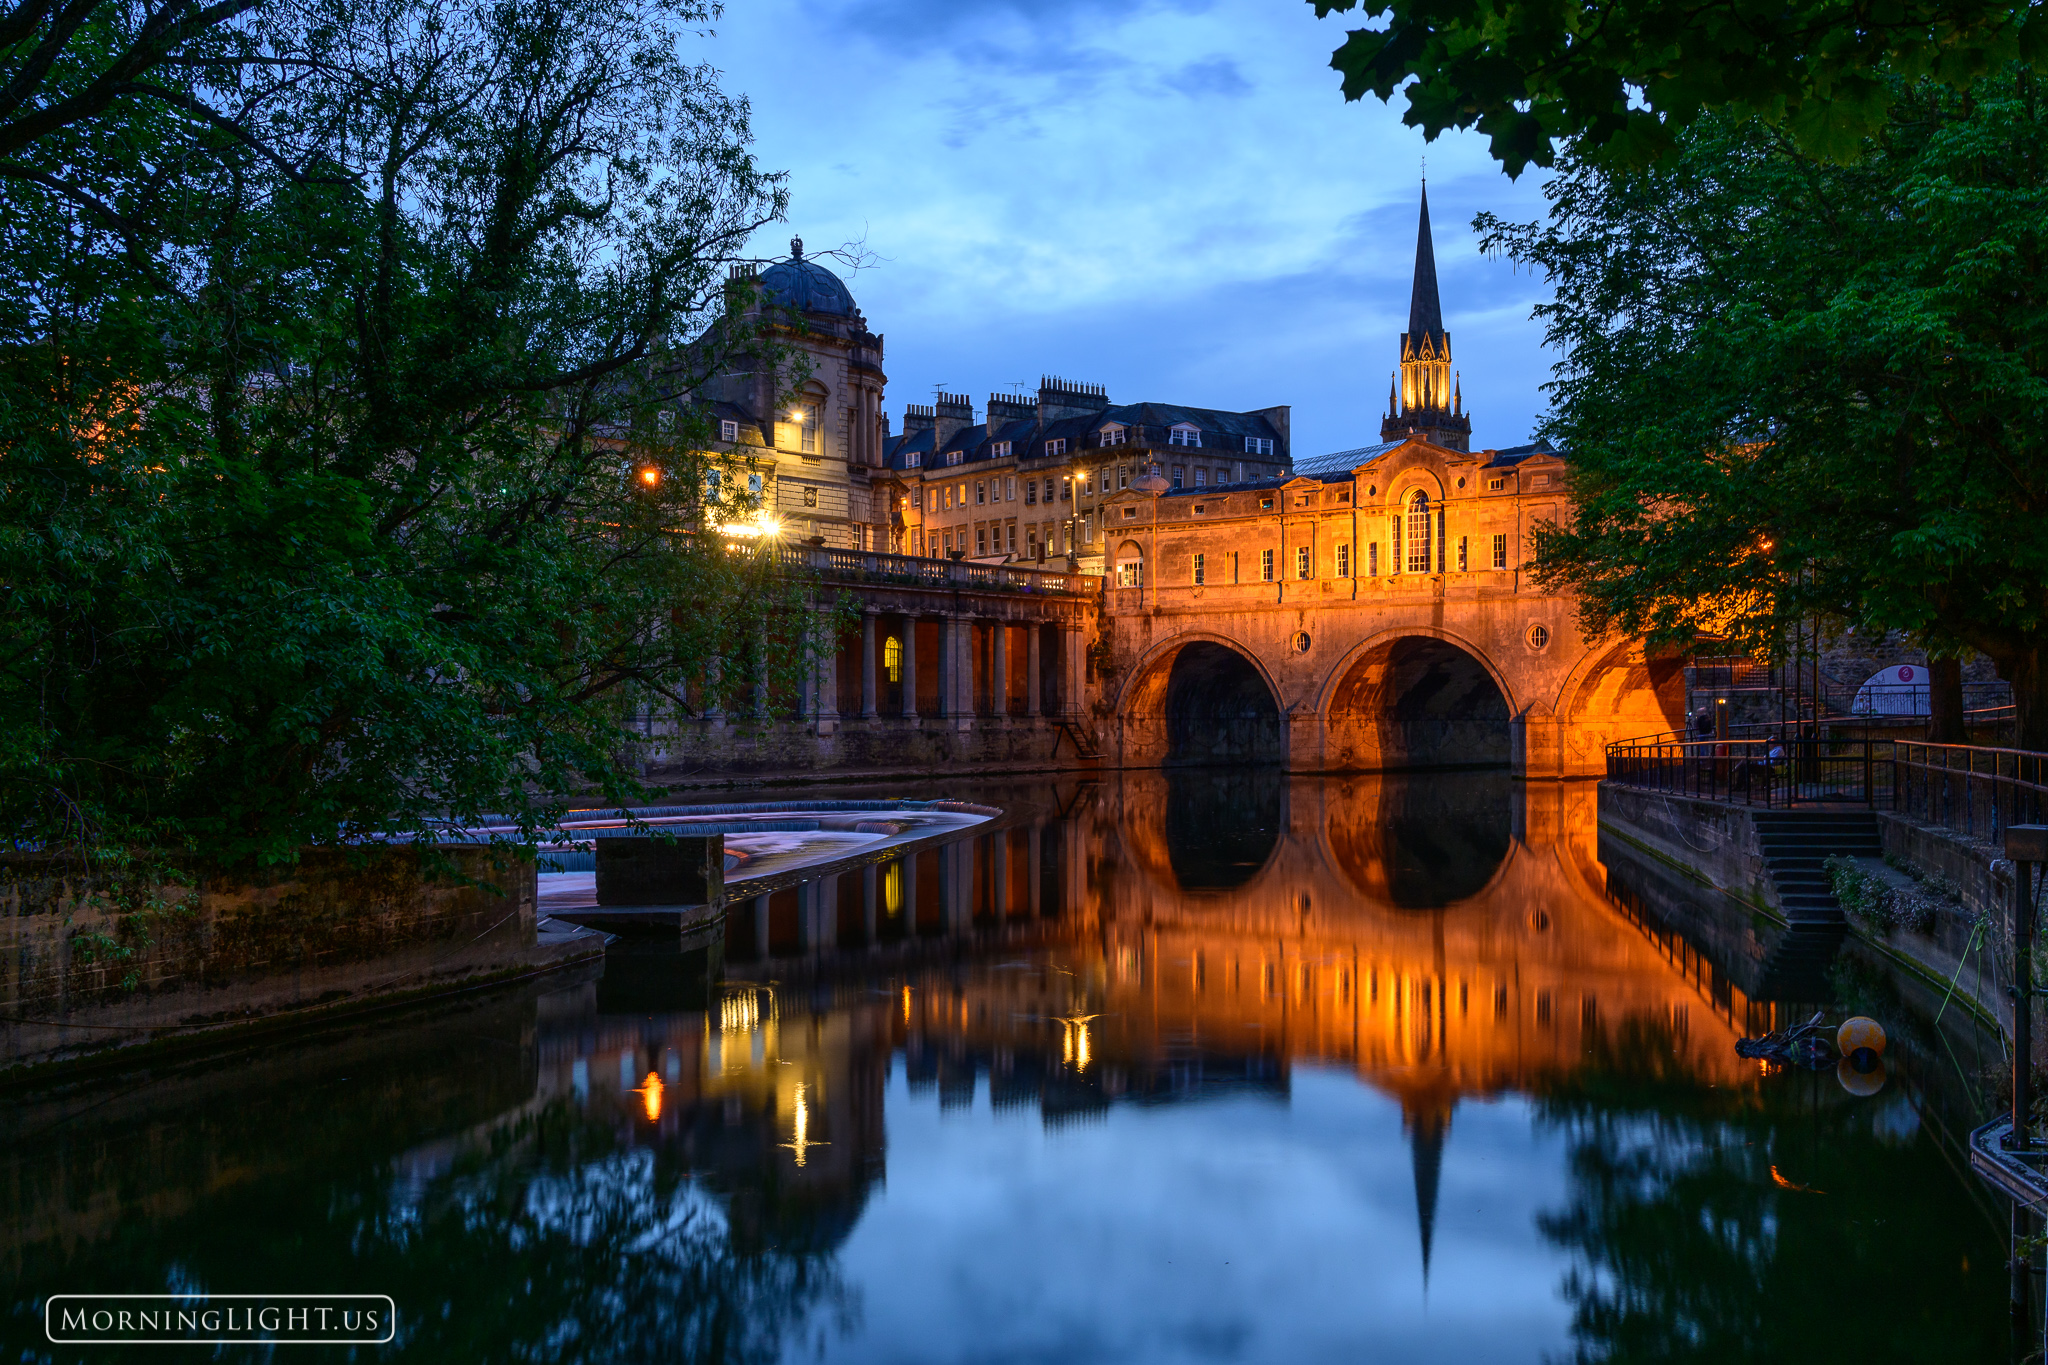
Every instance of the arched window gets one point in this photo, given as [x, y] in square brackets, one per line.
[892, 658]
[1130, 565]
[1418, 532]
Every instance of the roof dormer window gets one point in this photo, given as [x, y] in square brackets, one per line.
[953, 457]
[1056, 447]
[1258, 445]
[913, 459]
[1184, 434]
[999, 450]
[1112, 435]
[728, 431]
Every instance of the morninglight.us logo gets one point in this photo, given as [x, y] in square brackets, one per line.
[220, 1319]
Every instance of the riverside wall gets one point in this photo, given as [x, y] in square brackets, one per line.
[89, 964]
[1715, 844]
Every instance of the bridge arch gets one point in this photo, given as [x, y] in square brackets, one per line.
[1415, 697]
[1617, 692]
[1420, 842]
[1197, 699]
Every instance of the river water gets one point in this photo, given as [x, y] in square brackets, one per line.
[1211, 1067]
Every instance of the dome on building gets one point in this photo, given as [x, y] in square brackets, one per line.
[805, 285]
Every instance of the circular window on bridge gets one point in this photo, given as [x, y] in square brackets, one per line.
[1539, 636]
[1301, 642]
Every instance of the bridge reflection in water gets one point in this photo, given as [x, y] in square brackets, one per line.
[1200, 1064]
[1448, 938]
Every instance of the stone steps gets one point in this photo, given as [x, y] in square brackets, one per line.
[1796, 846]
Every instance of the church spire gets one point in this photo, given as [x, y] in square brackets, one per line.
[1429, 402]
[1425, 308]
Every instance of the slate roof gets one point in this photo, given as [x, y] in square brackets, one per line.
[1344, 461]
[1223, 435]
[805, 285]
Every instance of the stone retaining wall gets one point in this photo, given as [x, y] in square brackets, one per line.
[86, 966]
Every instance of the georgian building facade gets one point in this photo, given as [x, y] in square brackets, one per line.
[812, 431]
[1031, 481]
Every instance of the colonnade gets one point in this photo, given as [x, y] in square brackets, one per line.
[1010, 876]
[960, 638]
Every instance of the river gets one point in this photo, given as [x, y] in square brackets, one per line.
[1161, 1068]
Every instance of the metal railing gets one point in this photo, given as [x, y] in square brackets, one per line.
[1971, 790]
[867, 566]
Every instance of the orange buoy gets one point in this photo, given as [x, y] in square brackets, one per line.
[1860, 1033]
[1859, 1081]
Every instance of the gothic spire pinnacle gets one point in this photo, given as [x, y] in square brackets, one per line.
[1425, 311]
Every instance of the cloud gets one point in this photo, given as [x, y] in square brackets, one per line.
[1170, 199]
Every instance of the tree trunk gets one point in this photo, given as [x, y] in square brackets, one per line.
[1945, 702]
[2023, 668]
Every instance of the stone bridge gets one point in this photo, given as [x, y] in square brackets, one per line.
[1375, 613]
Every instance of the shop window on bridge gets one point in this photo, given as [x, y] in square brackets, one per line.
[1461, 553]
[1200, 570]
[1343, 561]
[1130, 566]
[1500, 551]
[1418, 531]
[1303, 565]
[1372, 560]
[1265, 566]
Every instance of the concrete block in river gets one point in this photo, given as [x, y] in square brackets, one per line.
[661, 870]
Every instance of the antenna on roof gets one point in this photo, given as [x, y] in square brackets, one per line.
[1019, 385]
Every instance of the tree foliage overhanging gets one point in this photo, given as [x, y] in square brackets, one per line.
[337, 338]
[1625, 77]
[1793, 386]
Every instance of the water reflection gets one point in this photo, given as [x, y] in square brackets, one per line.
[1187, 1066]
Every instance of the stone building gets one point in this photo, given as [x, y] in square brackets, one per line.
[812, 430]
[1031, 479]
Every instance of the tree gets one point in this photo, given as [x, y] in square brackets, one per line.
[1792, 387]
[344, 393]
[1625, 78]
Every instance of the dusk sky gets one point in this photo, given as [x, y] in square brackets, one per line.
[1166, 197]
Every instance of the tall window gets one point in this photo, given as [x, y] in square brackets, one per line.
[1130, 573]
[892, 658]
[1180, 475]
[813, 414]
[1200, 570]
[1461, 553]
[981, 540]
[1303, 565]
[980, 492]
[1030, 492]
[1500, 551]
[1372, 560]
[1418, 529]
[1343, 561]
[1010, 489]
[1265, 566]
[1201, 478]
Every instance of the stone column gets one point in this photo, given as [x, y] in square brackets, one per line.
[952, 654]
[714, 680]
[1073, 670]
[827, 674]
[867, 665]
[1034, 700]
[999, 670]
[1036, 852]
[910, 668]
[910, 895]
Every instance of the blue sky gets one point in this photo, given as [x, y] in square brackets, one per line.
[1166, 197]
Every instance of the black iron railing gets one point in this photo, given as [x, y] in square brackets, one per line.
[1969, 789]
